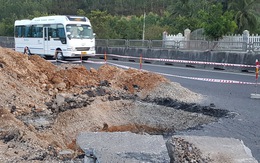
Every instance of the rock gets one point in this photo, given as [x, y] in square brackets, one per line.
[39, 109]
[56, 80]
[31, 105]
[43, 78]
[13, 109]
[61, 86]
[50, 86]
[9, 135]
[92, 70]
[104, 83]
[56, 90]
[66, 154]
[60, 99]
[208, 149]
[124, 147]
[50, 92]
[100, 91]
[23, 110]
[44, 86]
[90, 93]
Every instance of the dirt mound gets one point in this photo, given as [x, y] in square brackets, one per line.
[130, 79]
[27, 79]
[44, 106]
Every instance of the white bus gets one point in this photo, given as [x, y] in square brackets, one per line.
[56, 36]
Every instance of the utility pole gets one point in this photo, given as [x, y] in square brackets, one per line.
[144, 27]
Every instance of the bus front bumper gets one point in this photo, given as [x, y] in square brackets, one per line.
[80, 54]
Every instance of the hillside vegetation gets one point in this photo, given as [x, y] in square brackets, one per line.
[125, 19]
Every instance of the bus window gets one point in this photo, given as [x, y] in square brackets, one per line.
[88, 32]
[61, 33]
[80, 31]
[28, 31]
[37, 31]
[21, 31]
[52, 31]
[18, 31]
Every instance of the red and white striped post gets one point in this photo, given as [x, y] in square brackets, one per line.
[141, 58]
[256, 74]
[255, 95]
[81, 60]
[256, 69]
[105, 57]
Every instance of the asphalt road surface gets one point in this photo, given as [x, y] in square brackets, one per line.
[245, 125]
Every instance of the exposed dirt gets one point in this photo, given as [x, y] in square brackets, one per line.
[43, 106]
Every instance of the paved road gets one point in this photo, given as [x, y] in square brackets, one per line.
[233, 97]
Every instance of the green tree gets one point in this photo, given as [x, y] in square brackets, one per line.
[245, 14]
[154, 32]
[6, 27]
[100, 22]
[189, 8]
[215, 23]
[185, 14]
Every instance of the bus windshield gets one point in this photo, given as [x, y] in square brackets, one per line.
[79, 31]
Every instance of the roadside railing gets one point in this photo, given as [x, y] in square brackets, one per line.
[198, 45]
[229, 46]
[7, 42]
[256, 47]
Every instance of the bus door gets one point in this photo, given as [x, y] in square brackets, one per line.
[46, 41]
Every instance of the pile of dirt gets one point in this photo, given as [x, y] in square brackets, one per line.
[43, 106]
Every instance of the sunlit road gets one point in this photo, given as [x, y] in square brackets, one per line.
[233, 97]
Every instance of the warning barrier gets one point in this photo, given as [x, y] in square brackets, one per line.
[181, 61]
[256, 69]
[256, 95]
[192, 78]
[171, 60]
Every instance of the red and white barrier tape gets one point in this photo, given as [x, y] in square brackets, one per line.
[200, 62]
[211, 80]
[94, 62]
[182, 61]
[164, 74]
[193, 78]
[121, 66]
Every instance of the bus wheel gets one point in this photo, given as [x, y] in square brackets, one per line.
[60, 56]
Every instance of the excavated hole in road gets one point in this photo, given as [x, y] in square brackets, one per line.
[154, 116]
[188, 115]
[168, 130]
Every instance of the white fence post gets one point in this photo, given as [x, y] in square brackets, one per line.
[187, 38]
[245, 39]
[164, 39]
[187, 34]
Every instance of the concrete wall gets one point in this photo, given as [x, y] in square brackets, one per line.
[232, 57]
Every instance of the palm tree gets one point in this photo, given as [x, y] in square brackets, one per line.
[245, 14]
[181, 8]
[189, 8]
